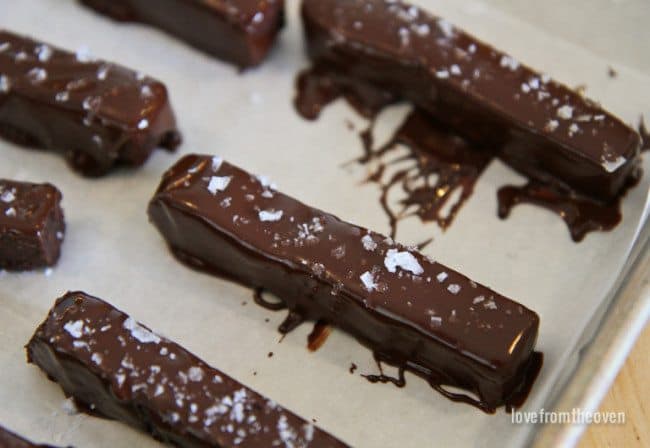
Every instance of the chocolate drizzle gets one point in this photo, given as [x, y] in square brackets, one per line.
[443, 165]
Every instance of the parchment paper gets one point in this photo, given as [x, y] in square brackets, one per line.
[113, 252]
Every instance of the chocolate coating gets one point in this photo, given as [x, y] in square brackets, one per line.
[241, 32]
[9, 439]
[32, 225]
[541, 127]
[407, 308]
[118, 368]
[97, 114]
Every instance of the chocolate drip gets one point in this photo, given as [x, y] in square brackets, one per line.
[645, 135]
[443, 163]
[317, 87]
[582, 215]
[261, 301]
[318, 335]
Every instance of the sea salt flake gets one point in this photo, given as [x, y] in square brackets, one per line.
[10, 212]
[217, 161]
[551, 125]
[146, 91]
[442, 74]
[442, 277]
[421, 30]
[37, 75]
[368, 243]
[97, 358]
[573, 129]
[195, 374]
[102, 72]
[455, 70]
[436, 321]
[490, 305]
[44, 52]
[7, 196]
[62, 97]
[139, 332]
[258, 17]
[83, 54]
[404, 260]
[218, 183]
[478, 300]
[454, 288]
[613, 165]
[565, 112]
[368, 281]
[446, 28]
[5, 84]
[74, 328]
[143, 124]
[270, 215]
[509, 62]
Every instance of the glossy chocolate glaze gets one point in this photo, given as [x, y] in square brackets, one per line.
[443, 164]
[121, 370]
[97, 114]
[540, 127]
[404, 306]
[32, 225]
[239, 31]
[10, 440]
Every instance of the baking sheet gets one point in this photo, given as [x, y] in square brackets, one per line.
[113, 252]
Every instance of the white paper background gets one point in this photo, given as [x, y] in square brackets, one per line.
[113, 252]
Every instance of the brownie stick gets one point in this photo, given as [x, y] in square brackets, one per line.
[32, 225]
[97, 114]
[410, 310]
[112, 365]
[241, 32]
[541, 127]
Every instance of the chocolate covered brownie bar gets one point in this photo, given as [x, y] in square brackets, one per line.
[241, 32]
[114, 366]
[97, 114]
[409, 309]
[32, 225]
[539, 126]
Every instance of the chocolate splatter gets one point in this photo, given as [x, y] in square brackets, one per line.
[441, 175]
[353, 368]
[611, 72]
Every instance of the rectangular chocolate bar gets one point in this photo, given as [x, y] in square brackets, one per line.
[541, 127]
[97, 114]
[409, 309]
[112, 365]
[241, 32]
[9, 439]
[32, 225]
